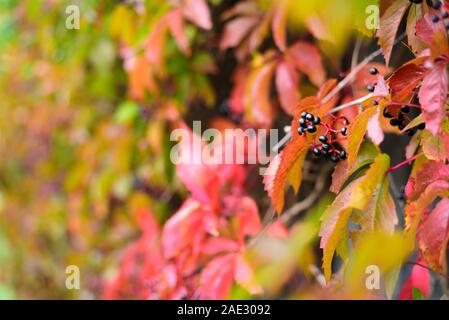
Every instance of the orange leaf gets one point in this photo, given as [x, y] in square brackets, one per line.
[389, 24]
[257, 94]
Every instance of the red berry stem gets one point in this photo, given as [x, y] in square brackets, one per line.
[405, 162]
[412, 105]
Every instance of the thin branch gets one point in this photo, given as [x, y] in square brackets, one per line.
[311, 198]
[354, 71]
[350, 104]
[355, 58]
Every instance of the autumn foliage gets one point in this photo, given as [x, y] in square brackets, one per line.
[86, 176]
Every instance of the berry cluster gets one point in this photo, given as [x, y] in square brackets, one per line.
[444, 15]
[308, 123]
[401, 118]
[329, 148]
[328, 142]
[437, 5]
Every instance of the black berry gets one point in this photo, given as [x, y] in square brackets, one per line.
[375, 102]
[342, 154]
[436, 5]
[410, 132]
[422, 126]
[323, 139]
[316, 121]
[311, 128]
[302, 122]
[344, 131]
[316, 151]
[386, 114]
[435, 19]
[301, 130]
[405, 109]
[394, 122]
[373, 71]
[445, 15]
[303, 114]
[326, 146]
[370, 88]
[334, 158]
[309, 116]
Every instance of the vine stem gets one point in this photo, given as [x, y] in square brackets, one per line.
[403, 163]
[351, 75]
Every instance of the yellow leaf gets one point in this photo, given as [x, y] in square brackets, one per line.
[356, 132]
[395, 248]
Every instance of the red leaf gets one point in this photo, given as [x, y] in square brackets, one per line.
[197, 12]
[279, 25]
[217, 278]
[216, 245]
[248, 219]
[278, 230]
[287, 86]
[420, 279]
[424, 29]
[427, 173]
[406, 78]
[434, 235]
[176, 25]
[235, 30]
[433, 34]
[199, 178]
[307, 59]
[244, 275]
[432, 96]
[186, 229]
[389, 23]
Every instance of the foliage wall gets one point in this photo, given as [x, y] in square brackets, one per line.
[86, 177]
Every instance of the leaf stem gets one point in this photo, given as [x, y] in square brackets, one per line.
[403, 163]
